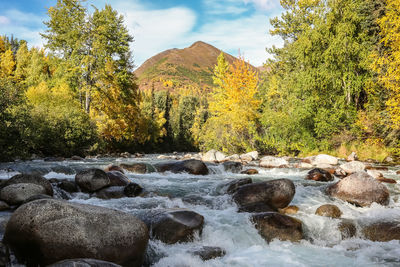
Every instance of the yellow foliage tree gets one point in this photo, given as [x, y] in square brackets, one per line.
[388, 64]
[234, 109]
[7, 64]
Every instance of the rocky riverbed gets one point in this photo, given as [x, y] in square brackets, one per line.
[199, 210]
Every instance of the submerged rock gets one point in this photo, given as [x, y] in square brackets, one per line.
[91, 180]
[174, 225]
[276, 194]
[16, 194]
[382, 231]
[207, 253]
[114, 168]
[249, 172]
[273, 162]
[347, 229]
[110, 192]
[359, 189]
[191, 166]
[329, 210]
[30, 179]
[83, 263]
[272, 225]
[318, 174]
[231, 166]
[46, 231]
[133, 190]
[233, 186]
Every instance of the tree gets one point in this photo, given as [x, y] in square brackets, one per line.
[233, 107]
[7, 64]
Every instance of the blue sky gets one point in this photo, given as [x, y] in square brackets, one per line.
[158, 25]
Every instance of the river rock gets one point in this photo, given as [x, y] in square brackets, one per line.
[325, 159]
[191, 166]
[83, 263]
[352, 167]
[91, 180]
[249, 172]
[289, 210]
[272, 225]
[30, 179]
[207, 253]
[253, 155]
[37, 197]
[114, 168]
[273, 162]
[46, 231]
[303, 165]
[110, 192]
[3, 206]
[386, 180]
[132, 190]
[347, 229]
[329, 210]
[76, 158]
[68, 186]
[117, 178]
[276, 194]
[256, 208]
[174, 225]
[318, 174]
[234, 157]
[359, 189]
[352, 157]
[219, 156]
[231, 166]
[16, 194]
[209, 156]
[233, 186]
[382, 231]
[375, 173]
[139, 167]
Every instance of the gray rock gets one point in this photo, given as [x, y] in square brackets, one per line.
[83, 263]
[117, 178]
[110, 192]
[191, 166]
[352, 167]
[139, 167]
[133, 190]
[272, 225]
[276, 194]
[233, 186]
[324, 159]
[4, 206]
[30, 179]
[231, 166]
[46, 231]
[174, 225]
[273, 162]
[360, 189]
[16, 194]
[91, 180]
[68, 186]
[37, 197]
[207, 253]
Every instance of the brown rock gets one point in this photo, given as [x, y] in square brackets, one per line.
[319, 175]
[117, 178]
[359, 189]
[382, 231]
[386, 180]
[329, 210]
[271, 225]
[114, 168]
[347, 229]
[250, 172]
[289, 210]
[234, 185]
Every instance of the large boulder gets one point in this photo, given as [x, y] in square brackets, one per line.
[16, 194]
[273, 162]
[318, 174]
[276, 194]
[191, 166]
[30, 179]
[46, 231]
[329, 210]
[360, 189]
[173, 225]
[382, 231]
[233, 186]
[325, 159]
[68, 186]
[352, 167]
[117, 178]
[83, 263]
[272, 225]
[110, 192]
[91, 180]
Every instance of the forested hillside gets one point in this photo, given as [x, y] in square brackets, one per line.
[334, 86]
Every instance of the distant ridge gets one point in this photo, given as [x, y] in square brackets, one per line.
[193, 65]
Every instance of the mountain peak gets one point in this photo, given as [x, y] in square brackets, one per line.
[192, 65]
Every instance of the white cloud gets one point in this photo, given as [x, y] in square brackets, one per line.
[224, 7]
[4, 20]
[264, 4]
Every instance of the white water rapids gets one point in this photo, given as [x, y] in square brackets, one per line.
[232, 231]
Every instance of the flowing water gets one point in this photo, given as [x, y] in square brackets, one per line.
[233, 231]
